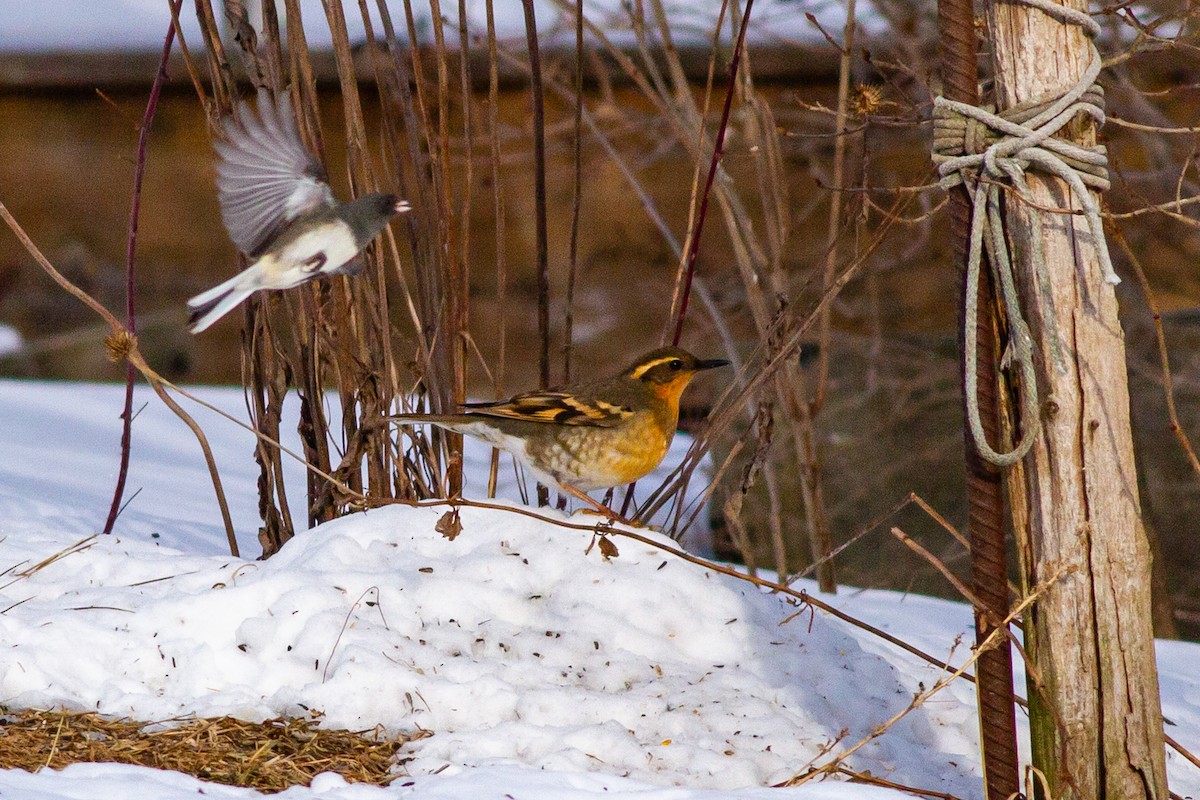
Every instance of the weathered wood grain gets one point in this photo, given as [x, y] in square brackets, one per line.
[1097, 729]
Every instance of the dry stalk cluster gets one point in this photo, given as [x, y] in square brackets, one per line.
[271, 756]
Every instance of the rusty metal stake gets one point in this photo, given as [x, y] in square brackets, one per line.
[985, 525]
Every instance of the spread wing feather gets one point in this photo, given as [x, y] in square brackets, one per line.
[265, 176]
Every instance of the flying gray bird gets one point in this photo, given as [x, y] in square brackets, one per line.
[281, 213]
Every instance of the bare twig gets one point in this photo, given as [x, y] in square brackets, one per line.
[1183, 751]
[130, 256]
[576, 199]
[539, 190]
[833, 231]
[939, 565]
[498, 210]
[693, 248]
[868, 778]
[122, 344]
[1160, 338]
[998, 634]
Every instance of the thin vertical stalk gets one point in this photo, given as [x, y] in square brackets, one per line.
[135, 208]
[341, 328]
[833, 230]
[415, 122]
[569, 321]
[304, 83]
[384, 470]
[718, 150]
[463, 288]
[498, 210]
[539, 177]
[701, 115]
[218, 64]
[453, 322]
[273, 45]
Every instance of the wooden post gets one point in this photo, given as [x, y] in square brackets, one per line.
[1095, 714]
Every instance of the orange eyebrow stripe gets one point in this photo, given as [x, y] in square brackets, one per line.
[642, 369]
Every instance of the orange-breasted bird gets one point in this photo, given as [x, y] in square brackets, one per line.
[587, 436]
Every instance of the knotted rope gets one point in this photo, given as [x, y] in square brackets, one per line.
[985, 151]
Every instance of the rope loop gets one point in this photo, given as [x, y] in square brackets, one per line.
[985, 152]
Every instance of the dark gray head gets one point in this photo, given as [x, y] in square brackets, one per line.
[368, 215]
[669, 365]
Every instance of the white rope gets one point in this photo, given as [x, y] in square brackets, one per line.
[971, 143]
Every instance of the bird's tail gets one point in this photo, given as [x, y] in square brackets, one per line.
[466, 424]
[207, 307]
[444, 420]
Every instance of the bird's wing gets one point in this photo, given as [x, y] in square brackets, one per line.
[265, 176]
[561, 408]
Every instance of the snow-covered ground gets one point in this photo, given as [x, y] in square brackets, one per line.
[543, 670]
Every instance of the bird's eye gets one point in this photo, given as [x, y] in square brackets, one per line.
[675, 364]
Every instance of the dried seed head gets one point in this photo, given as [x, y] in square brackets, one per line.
[867, 99]
[119, 344]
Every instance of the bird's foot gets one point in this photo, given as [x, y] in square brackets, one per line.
[596, 507]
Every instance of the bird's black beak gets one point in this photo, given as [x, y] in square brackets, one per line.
[711, 363]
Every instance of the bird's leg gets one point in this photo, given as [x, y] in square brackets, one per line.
[314, 264]
[603, 509]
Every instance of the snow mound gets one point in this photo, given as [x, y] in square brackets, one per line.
[513, 644]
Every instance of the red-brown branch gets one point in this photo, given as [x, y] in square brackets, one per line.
[130, 256]
[718, 151]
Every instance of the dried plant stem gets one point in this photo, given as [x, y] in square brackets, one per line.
[648, 205]
[868, 778]
[835, 202]
[304, 82]
[676, 294]
[803, 411]
[998, 635]
[939, 565]
[127, 345]
[751, 381]
[539, 195]
[576, 199]
[498, 210]
[1183, 751]
[218, 64]
[453, 320]
[462, 284]
[135, 207]
[912, 498]
[209, 460]
[1161, 339]
[189, 63]
[537, 104]
[693, 248]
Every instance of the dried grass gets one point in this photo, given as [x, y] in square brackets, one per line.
[270, 756]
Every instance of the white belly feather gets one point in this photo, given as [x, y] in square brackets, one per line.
[289, 266]
[513, 445]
